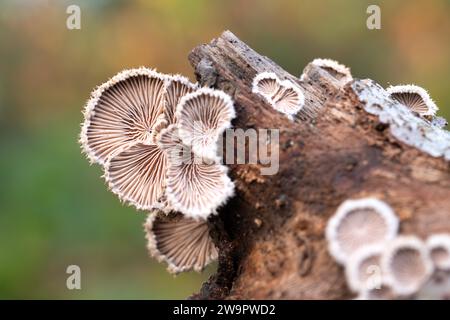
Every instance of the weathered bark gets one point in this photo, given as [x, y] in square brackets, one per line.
[271, 235]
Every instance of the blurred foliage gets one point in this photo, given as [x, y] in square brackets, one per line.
[55, 209]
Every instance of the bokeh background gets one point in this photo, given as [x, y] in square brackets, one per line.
[54, 208]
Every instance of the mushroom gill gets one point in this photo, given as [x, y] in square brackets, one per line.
[183, 243]
[407, 264]
[359, 223]
[121, 111]
[201, 117]
[415, 98]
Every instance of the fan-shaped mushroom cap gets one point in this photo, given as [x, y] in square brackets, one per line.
[415, 98]
[177, 87]
[202, 116]
[266, 84]
[359, 223]
[183, 243]
[363, 268]
[439, 248]
[289, 99]
[121, 111]
[198, 189]
[333, 67]
[136, 173]
[284, 96]
[406, 262]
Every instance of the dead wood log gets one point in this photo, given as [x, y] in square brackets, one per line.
[357, 143]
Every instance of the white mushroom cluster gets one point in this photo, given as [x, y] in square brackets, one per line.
[284, 96]
[156, 137]
[380, 264]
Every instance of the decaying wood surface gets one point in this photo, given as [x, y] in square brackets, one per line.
[271, 234]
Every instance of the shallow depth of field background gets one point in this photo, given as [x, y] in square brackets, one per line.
[55, 209]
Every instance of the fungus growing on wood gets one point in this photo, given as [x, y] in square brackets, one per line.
[137, 175]
[359, 223]
[201, 117]
[415, 98]
[405, 261]
[363, 268]
[183, 243]
[194, 186]
[284, 96]
[177, 87]
[439, 248]
[123, 130]
[266, 84]
[198, 189]
[122, 110]
[337, 70]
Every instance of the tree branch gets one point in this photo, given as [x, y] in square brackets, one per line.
[353, 142]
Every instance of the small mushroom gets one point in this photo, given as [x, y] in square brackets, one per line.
[266, 84]
[122, 110]
[202, 116]
[415, 98]
[183, 243]
[337, 70]
[177, 87]
[405, 261]
[284, 96]
[137, 175]
[439, 248]
[359, 223]
[198, 188]
[363, 268]
[194, 186]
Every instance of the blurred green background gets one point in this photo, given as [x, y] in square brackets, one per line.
[54, 208]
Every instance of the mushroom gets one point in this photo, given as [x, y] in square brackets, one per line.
[405, 261]
[137, 126]
[284, 96]
[136, 174]
[363, 268]
[177, 87]
[122, 110]
[415, 98]
[337, 70]
[146, 175]
[359, 223]
[266, 84]
[197, 189]
[439, 248]
[201, 117]
[183, 243]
